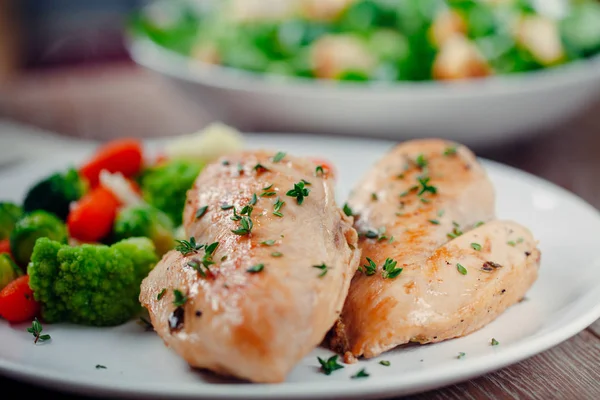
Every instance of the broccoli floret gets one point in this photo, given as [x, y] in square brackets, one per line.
[145, 221]
[9, 215]
[165, 186]
[31, 227]
[91, 284]
[55, 193]
[9, 271]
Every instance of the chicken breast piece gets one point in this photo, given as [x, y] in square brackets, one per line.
[464, 285]
[276, 282]
[417, 197]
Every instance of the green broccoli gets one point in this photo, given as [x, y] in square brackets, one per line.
[165, 186]
[31, 227]
[91, 284]
[145, 221]
[9, 271]
[55, 193]
[9, 215]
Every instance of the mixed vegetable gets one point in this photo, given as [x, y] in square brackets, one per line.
[377, 40]
[79, 245]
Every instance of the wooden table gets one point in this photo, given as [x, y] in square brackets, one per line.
[124, 101]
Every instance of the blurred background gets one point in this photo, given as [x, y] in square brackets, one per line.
[64, 67]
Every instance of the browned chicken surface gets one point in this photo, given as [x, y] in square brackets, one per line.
[271, 276]
[433, 265]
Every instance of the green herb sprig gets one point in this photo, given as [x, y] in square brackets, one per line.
[329, 365]
[36, 330]
[186, 247]
[299, 192]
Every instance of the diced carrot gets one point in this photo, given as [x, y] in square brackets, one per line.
[5, 246]
[328, 168]
[120, 155]
[16, 301]
[92, 217]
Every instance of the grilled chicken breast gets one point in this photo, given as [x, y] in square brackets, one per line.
[266, 295]
[412, 211]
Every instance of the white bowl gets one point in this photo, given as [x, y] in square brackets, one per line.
[475, 112]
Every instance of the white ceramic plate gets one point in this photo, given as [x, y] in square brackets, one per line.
[564, 300]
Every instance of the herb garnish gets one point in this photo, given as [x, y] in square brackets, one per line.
[347, 210]
[319, 170]
[253, 200]
[269, 242]
[277, 207]
[478, 224]
[161, 294]
[456, 232]
[307, 183]
[279, 156]
[494, 342]
[201, 211]
[461, 355]
[256, 268]
[268, 187]
[421, 161]
[514, 243]
[246, 227]
[379, 234]
[227, 206]
[385, 363]
[434, 221]
[276, 254]
[425, 186]
[186, 247]
[389, 269]
[450, 151]
[299, 192]
[36, 330]
[369, 269]
[247, 210]
[206, 261]
[323, 268]
[361, 374]
[235, 216]
[476, 246]
[374, 196]
[180, 298]
[440, 213]
[260, 168]
[461, 269]
[329, 365]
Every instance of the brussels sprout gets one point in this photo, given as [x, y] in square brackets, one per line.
[145, 221]
[55, 193]
[9, 215]
[9, 271]
[30, 228]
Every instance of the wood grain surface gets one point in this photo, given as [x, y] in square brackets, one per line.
[125, 101]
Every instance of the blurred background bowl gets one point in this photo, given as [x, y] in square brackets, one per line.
[479, 111]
